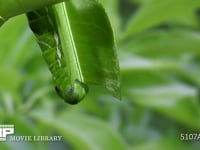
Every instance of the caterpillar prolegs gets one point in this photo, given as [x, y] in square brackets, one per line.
[67, 76]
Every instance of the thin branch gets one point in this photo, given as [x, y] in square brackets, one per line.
[10, 8]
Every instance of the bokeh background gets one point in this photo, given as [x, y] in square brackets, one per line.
[158, 43]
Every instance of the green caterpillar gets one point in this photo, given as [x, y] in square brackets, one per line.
[67, 76]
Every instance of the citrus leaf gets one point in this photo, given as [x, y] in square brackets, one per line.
[164, 94]
[164, 43]
[82, 132]
[12, 8]
[9, 75]
[154, 12]
[92, 37]
[112, 9]
[5, 146]
[22, 127]
[84, 57]
[166, 144]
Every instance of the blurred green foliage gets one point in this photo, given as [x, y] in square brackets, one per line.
[158, 47]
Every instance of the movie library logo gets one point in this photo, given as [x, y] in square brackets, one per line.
[6, 130]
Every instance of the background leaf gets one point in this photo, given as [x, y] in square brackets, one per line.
[83, 132]
[160, 85]
[155, 12]
[166, 143]
[164, 43]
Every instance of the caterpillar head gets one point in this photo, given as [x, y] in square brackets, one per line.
[73, 94]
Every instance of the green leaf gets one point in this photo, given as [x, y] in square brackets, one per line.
[81, 131]
[164, 94]
[23, 47]
[112, 9]
[9, 75]
[12, 8]
[22, 127]
[164, 43]
[4, 146]
[85, 58]
[93, 41]
[167, 143]
[155, 12]
[1, 20]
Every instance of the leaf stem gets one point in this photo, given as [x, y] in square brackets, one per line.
[11, 8]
